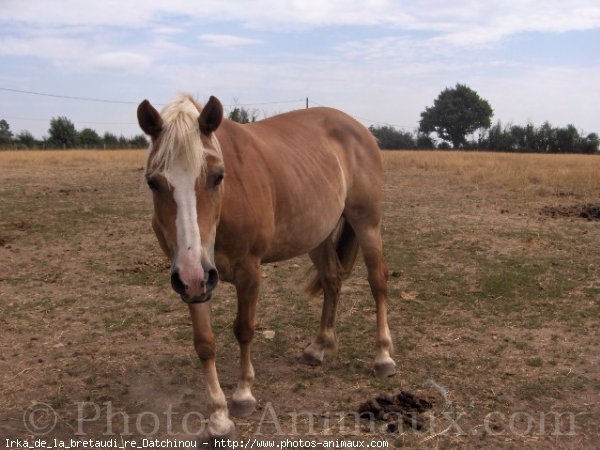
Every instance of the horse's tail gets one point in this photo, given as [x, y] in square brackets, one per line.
[346, 252]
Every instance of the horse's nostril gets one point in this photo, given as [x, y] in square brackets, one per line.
[178, 285]
[212, 278]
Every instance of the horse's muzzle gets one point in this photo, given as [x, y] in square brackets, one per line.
[202, 299]
[201, 295]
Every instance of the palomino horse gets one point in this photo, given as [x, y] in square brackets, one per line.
[228, 197]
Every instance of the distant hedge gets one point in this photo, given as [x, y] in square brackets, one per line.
[499, 137]
[63, 135]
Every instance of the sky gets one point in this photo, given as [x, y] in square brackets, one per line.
[381, 61]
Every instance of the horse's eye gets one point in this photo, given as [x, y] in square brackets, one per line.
[216, 179]
[152, 184]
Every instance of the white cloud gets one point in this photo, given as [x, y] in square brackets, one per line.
[260, 14]
[508, 17]
[459, 24]
[167, 30]
[499, 18]
[128, 61]
[75, 53]
[52, 13]
[226, 40]
[45, 47]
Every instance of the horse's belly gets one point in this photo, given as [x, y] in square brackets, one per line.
[304, 230]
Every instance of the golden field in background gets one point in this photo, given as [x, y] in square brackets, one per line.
[535, 173]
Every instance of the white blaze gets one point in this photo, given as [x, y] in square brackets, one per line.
[189, 246]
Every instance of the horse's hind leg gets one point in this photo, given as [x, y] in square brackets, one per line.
[325, 260]
[368, 233]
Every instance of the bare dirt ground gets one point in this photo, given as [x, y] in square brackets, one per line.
[494, 310]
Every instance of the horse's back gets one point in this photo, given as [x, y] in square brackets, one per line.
[318, 126]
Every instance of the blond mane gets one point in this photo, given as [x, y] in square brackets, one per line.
[181, 137]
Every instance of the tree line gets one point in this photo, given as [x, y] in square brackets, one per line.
[461, 119]
[498, 137]
[62, 134]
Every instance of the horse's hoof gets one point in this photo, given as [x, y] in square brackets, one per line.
[210, 441]
[242, 408]
[311, 358]
[384, 369]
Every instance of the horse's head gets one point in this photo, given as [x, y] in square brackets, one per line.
[184, 171]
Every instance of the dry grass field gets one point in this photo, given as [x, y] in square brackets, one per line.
[494, 309]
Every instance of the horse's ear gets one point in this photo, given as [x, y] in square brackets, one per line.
[211, 115]
[149, 119]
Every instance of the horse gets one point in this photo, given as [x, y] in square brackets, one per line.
[229, 197]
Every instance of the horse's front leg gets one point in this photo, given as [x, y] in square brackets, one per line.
[219, 424]
[247, 284]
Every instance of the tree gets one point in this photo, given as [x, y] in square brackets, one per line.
[389, 138]
[546, 138]
[543, 139]
[566, 139]
[424, 142]
[62, 133]
[139, 141]
[589, 144]
[456, 113]
[25, 139]
[5, 133]
[88, 138]
[242, 115]
[123, 142]
[110, 140]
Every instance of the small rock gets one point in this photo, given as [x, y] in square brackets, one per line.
[269, 334]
